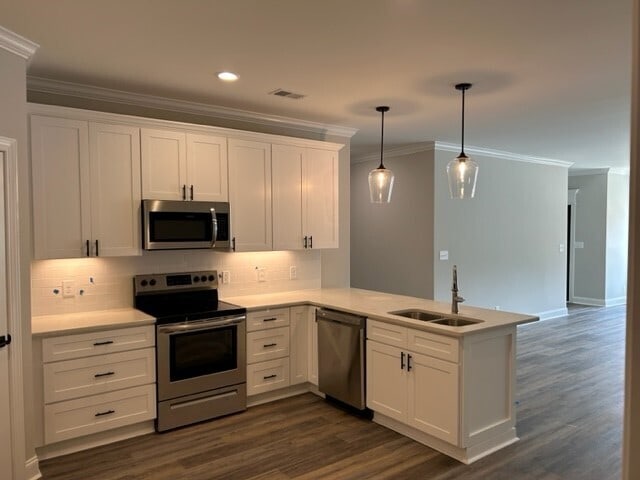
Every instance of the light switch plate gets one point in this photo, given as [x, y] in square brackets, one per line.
[262, 275]
[293, 272]
[68, 288]
[579, 244]
[226, 277]
[444, 254]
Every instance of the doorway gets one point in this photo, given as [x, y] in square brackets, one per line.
[571, 235]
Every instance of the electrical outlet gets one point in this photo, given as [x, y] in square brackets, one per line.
[68, 288]
[262, 274]
[226, 277]
[293, 272]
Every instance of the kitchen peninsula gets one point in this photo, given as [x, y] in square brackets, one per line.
[455, 393]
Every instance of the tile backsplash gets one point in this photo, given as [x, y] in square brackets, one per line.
[104, 283]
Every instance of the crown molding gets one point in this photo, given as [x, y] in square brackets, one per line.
[57, 87]
[16, 44]
[414, 148]
[410, 149]
[488, 152]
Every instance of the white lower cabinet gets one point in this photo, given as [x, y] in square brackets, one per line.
[93, 382]
[301, 319]
[267, 376]
[416, 389]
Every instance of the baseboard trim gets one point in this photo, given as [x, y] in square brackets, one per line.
[592, 302]
[549, 314]
[614, 302]
[279, 394]
[32, 469]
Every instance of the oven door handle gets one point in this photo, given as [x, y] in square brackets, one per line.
[214, 227]
[194, 327]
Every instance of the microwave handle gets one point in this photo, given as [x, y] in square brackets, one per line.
[214, 227]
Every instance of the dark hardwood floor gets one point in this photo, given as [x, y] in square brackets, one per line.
[569, 420]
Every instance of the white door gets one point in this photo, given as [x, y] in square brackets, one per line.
[164, 164]
[5, 418]
[207, 168]
[433, 397]
[115, 189]
[286, 168]
[387, 380]
[250, 195]
[320, 210]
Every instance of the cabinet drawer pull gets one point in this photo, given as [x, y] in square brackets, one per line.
[270, 376]
[408, 362]
[108, 412]
[106, 342]
[269, 345]
[105, 374]
[272, 319]
[401, 360]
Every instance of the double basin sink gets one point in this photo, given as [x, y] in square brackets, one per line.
[436, 318]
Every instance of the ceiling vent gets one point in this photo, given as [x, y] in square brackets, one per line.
[285, 93]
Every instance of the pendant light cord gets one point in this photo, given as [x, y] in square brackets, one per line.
[381, 140]
[462, 151]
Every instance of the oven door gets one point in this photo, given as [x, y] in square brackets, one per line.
[199, 356]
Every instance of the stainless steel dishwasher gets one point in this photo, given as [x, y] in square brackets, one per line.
[341, 338]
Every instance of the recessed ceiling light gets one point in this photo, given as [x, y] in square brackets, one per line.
[227, 76]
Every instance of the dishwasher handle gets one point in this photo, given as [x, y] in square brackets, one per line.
[339, 317]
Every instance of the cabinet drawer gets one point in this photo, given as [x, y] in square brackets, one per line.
[438, 346]
[98, 374]
[387, 333]
[83, 416]
[267, 344]
[272, 318]
[97, 343]
[266, 376]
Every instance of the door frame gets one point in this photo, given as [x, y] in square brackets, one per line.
[8, 147]
[572, 201]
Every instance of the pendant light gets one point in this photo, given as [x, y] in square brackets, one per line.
[381, 179]
[462, 170]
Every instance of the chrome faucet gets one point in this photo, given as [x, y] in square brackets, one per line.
[455, 298]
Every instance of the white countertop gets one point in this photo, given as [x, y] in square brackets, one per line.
[376, 305]
[46, 325]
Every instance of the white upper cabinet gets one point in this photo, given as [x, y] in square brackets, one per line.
[114, 153]
[250, 195]
[305, 198]
[86, 188]
[61, 200]
[184, 166]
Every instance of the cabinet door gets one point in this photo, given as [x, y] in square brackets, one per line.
[164, 164]
[61, 202]
[434, 397]
[286, 168]
[250, 195]
[207, 176]
[299, 344]
[115, 189]
[386, 380]
[320, 205]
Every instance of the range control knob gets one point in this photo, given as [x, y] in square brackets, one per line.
[196, 278]
[211, 278]
[152, 282]
[144, 283]
[203, 278]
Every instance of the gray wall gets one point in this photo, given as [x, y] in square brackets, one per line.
[617, 237]
[392, 244]
[13, 124]
[506, 241]
[602, 217]
[591, 227]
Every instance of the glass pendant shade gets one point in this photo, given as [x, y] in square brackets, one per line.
[462, 173]
[380, 185]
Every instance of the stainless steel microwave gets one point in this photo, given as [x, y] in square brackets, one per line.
[175, 225]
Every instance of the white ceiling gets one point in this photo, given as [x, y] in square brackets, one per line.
[551, 77]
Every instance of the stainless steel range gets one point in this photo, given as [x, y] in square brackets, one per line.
[200, 347]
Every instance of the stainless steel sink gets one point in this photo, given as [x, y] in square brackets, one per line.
[418, 315]
[455, 322]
